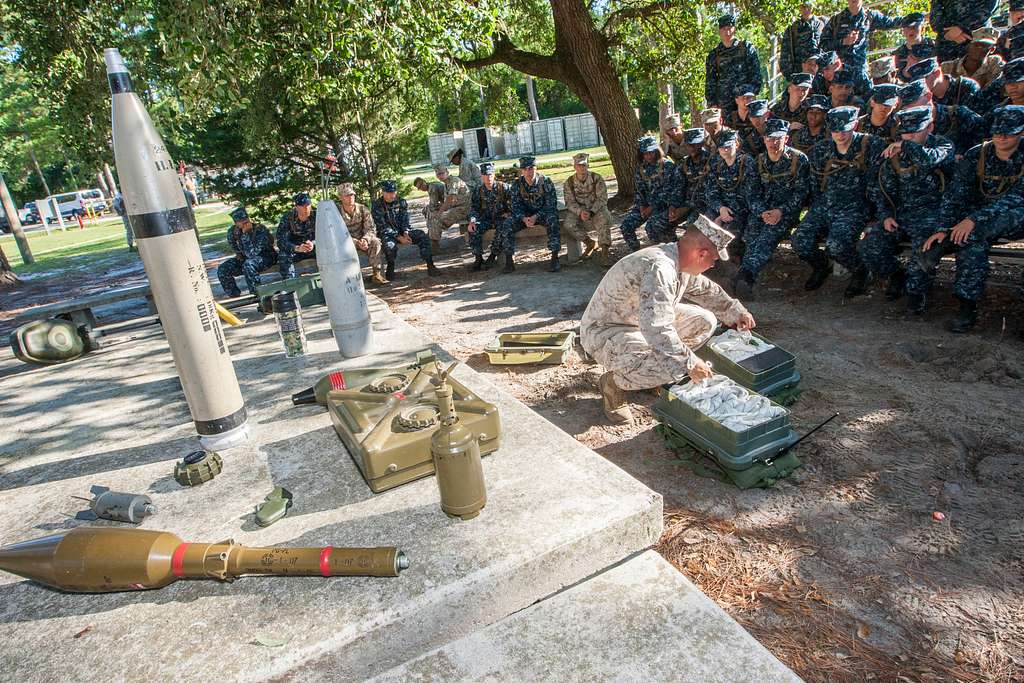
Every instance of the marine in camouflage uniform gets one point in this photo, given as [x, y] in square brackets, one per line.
[980, 64]
[804, 139]
[469, 172]
[726, 67]
[531, 198]
[858, 22]
[293, 232]
[729, 188]
[490, 207]
[637, 326]
[981, 180]
[391, 217]
[883, 102]
[797, 91]
[908, 196]
[362, 229]
[254, 252]
[801, 40]
[782, 189]
[586, 209]
[672, 138]
[691, 175]
[454, 209]
[965, 14]
[839, 211]
[655, 182]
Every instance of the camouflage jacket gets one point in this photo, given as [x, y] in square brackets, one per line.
[589, 194]
[359, 222]
[981, 178]
[390, 218]
[731, 186]
[911, 184]
[780, 110]
[258, 242]
[840, 181]
[784, 184]
[537, 199]
[989, 70]
[727, 67]
[888, 131]
[291, 232]
[436, 191]
[961, 91]
[655, 185]
[961, 125]
[455, 187]
[469, 173]
[691, 176]
[842, 23]
[490, 207]
[801, 40]
[804, 140]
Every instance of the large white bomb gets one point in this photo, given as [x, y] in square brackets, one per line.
[342, 280]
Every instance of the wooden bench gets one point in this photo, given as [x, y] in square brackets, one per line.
[80, 311]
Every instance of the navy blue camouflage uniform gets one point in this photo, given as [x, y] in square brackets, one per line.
[733, 187]
[656, 187]
[727, 67]
[254, 252]
[489, 209]
[980, 181]
[392, 221]
[909, 190]
[841, 24]
[839, 210]
[291, 232]
[900, 54]
[691, 176]
[963, 127]
[967, 14]
[886, 131]
[961, 91]
[800, 41]
[784, 185]
[527, 200]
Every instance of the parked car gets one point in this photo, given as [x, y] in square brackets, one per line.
[74, 203]
[29, 214]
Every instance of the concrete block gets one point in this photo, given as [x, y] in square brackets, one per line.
[557, 513]
[639, 621]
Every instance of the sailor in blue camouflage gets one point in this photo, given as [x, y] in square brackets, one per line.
[915, 46]
[842, 92]
[656, 190]
[296, 235]
[954, 20]
[1010, 85]
[692, 173]
[842, 169]
[731, 184]
[391, 216]
[908, 195]
[959, 124]
[254, 251]
[800, 41]
[730, 63]
[952, 91]
[783, 174]
[739, 117]
[814, 130]
[847, 32]
[880, 120]
[533, 202]
[753, 139]
[490, 207]
[1011, 43]
[790, 105]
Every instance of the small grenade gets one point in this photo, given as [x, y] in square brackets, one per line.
[456, 453]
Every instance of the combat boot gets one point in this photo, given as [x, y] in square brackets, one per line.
[743, 284]
[929, 260]
[591, 247]
[966, 319]
[478, 264]
[858, 282]
[491, 258]
[822, 269]
[605, 258]
[556, 265]
[633, 246]
[613, 400]
[917, 303]
[431, 268]
[897, 285]
[510, 264]
[389, 272]
[377, 278]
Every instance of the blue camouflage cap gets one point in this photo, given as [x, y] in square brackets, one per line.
[302, 199]
[843, 77]
[828, 58]
[914, 120]
[842, 119]
[818, 102]
[726, 20]
[389, 186]
[726, 137]
[923, 68]
[486, 168]
[1008, 120]
[1013, 71]
[647, 143]
[1015, 38]
[922, 50]
[801, 80]
[239, 214]
[758, 108]
[743, 89]
[694, 136]
[776, 128]
[1016, 5]
[913, 91]
[527, 161]
[886, 93]
[912, 19]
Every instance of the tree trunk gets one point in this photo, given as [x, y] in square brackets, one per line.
[666, 106]
[15, 222]
[111, 185]
[695, 121]
[101, 183]
[7, 274]
[531, 98]
[35, 165]
[483, 104]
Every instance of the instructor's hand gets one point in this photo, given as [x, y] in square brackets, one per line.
[746, 323]
[700, 371]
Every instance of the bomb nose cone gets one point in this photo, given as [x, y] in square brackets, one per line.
[328, 215]
[32, 559]
[304, 397]
[114, 61]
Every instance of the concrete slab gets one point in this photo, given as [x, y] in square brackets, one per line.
[639, 621]
[557, 512]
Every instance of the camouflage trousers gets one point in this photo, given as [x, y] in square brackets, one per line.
[286, 260]
[761, 242]
[580, 230]
[656, 225]
[637, 366]
[476, 238]
[228, 270]
[419, 238]
[505, 236]
[972, 259]
[438, 220]
[373, 249]
[839, 228]
[880, 248]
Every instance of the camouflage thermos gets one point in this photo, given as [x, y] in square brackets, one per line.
[289, 323]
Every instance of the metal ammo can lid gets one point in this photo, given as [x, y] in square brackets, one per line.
[284, 301]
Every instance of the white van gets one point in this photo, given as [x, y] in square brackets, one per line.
[75, 203]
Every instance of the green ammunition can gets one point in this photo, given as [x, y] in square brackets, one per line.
[289, 323]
